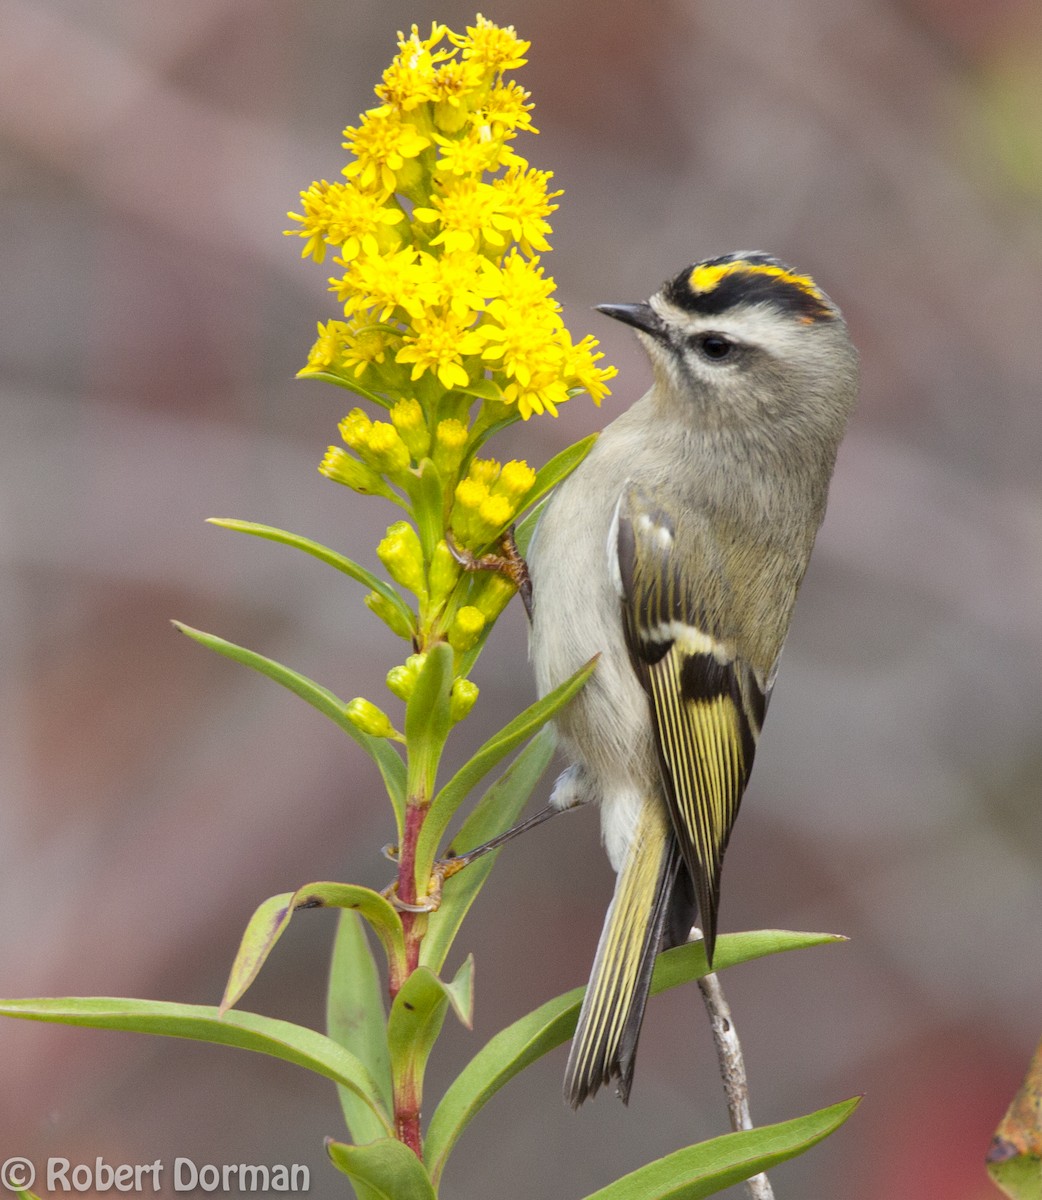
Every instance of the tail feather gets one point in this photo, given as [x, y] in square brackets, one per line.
[605, 1042]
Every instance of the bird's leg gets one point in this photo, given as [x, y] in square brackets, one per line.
[448, 866]
[456, 862]
[507, 562]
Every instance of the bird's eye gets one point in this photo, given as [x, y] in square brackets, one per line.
[715, 346]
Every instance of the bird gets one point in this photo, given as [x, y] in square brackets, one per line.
[675, 552]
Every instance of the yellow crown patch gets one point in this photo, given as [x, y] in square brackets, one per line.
[707, 276]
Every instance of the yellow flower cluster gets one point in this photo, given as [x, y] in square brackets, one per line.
[437, 226]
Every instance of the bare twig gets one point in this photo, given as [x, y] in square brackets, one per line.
[732, 1067]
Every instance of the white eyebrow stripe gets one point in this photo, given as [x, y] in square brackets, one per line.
[754, 324]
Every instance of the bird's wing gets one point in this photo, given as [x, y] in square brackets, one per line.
[707, 706]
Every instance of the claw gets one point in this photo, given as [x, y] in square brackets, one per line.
[424, 904]
[507, 562]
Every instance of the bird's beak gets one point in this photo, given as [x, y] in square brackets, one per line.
[640, 316]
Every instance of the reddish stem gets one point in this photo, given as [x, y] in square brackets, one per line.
[406, 1099]
[414, 814]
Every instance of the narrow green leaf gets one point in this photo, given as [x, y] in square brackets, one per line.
[24, 1194]
[323, 553]
[417, 1015]
[349, 383]
[1019, 1177]
[484, 389]
[427, 723]
[262, 932]
[383, 1170]
[526, 527]
[268, 923]
[356, 1020]
[452, 795]
[547, 478]
[497, 810]
[427, 493]
[461, 993]
[379, 750]
[203, 1023]
[709, 1167]
[540, 1031]
[558, 468]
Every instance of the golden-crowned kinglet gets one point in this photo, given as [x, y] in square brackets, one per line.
[675, 552]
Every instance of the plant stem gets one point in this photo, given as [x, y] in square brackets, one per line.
[411, 922]
[732, 1068]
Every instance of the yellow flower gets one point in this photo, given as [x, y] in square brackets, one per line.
[495, 48]
[380, 283]
[381, 145]
[507, 105]
[525, 205]
[362, 347]
[455, 87]
[410, 79]
[467, 210]
[327, 352]
[439, 222]
[471, 154]
[438, 344]
[338, 214]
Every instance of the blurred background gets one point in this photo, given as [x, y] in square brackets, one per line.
[152, 794]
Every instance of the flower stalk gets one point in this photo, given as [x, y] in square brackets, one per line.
[450, 329]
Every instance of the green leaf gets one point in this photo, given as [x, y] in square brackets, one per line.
[559, 467]
[427, 492]
[427, 724]
[553, 1023]
[497, 810]
[461, 993]
[382, 1170]
[203, 1023]
[417, 1015]
[709, 1167]
[267, 924]
[323, 553]
[262, 932]
[526, 527]
[547, 478]
[1018, 1177]
[379, 750]
[349, 383]
[452, 795]
[484, 389]
[356, 1020]
[24, 1194]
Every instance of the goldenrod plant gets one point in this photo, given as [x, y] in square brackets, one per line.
[448, 333]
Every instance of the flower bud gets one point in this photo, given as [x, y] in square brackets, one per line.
[462, 698]
[515, 480]
[367, 718]
[385, 451]
[495, 593]
[355, 429]
[391, 615]
[466, 628]
[402, 680]
[444, 573]
[450, 439]
[401, 554]
[407, 418]
[339, 466]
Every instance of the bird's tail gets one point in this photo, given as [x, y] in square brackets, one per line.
[605, 1042]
